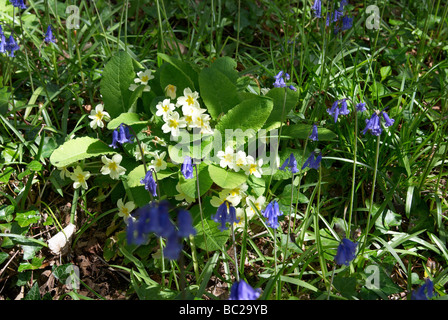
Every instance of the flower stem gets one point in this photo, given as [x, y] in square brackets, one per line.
[200, 208]
[371, 195]
[352, 195]
[234, 252]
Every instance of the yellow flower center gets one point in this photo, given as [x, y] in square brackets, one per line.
[99, 115]
[145, 78]
[159, 163]
[165, 108]
[81, 178]
[113, 166]
[252, 168]
[173, 123]
[190, 100]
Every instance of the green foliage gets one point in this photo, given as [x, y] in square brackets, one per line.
[388, 193]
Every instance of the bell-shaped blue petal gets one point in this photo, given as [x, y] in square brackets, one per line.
[241, 290]
[314, 134]
[184, 224]
[388, 120]
[149, 183]
[346, 252]
[187, 168]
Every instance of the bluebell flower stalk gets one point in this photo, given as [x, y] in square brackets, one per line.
[271, 213]
[121, 135]
[313, 162]
[290, 163]
[150, 183]
[317, 8]
[155, 218]
[373, 125]
[11, 46]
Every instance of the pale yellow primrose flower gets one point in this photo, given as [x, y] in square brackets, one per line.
[80, 178]
[173, 124]
[98, 115]
[138, 154]
[189, 99]
[164, 108]
[124, 210]
[112, 166]
[235, 195]
[158, 163]
[258, 203]
[64, 173]
[170, 91]
[253, 167]
[143, 78]
[240, 161]
[226, 157]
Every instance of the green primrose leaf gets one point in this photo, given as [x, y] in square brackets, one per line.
[114, 87]
[79, 149]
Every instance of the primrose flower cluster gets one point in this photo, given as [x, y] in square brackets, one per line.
[192, 115]
[240, 161]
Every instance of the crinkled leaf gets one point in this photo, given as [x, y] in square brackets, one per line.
[114, 87]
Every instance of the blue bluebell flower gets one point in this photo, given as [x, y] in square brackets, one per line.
[121, 135]
[49, 35]
[155, 218]
[313, 162]
[2, 43]
[335, 111]
[291, 163]
[280, 80]
[337, 15]
[18, 4]
[347, 23]
[346, 252]
[133, 234]
[242, 291]
[173, 247]
[425, 292]
[344, 110]
[225, 213]
[187, 168]
[149, 183]
[373, 125]
[388, 120]
[11, 46]
[184, 224]
[271, 213]
[314, 134]
[361, 107]
[317, 7]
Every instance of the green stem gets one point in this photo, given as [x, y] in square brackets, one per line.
[234, 252]
[320, 250]
[371, 195]
[200, 208]
[352, 195]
